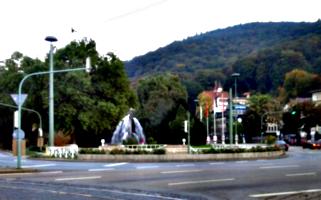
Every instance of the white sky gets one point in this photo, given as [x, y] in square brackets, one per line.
[131, 28]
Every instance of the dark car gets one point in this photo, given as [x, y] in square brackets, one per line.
[312, 145]
[282, 145]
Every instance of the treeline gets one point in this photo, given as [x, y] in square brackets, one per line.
[261, 52]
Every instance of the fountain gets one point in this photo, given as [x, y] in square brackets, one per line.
[128, 127]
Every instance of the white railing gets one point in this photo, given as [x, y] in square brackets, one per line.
[144, 147]
[70, 151]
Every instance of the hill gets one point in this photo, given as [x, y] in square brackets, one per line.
[259, 51]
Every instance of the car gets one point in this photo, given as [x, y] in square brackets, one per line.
[312, 145]
[282, 145]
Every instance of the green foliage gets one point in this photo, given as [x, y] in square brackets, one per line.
[91, 151]
[258, 106]
[87, 106]
[300, 83]
[270, 139]
[240, 150]
[160, 98]
[261, 52]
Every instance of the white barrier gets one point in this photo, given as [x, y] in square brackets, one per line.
[70, 151]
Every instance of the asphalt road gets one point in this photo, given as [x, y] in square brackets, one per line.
[298, 176]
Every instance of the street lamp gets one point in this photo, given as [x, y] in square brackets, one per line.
[218, 90]
[51, 39]
[235, 76]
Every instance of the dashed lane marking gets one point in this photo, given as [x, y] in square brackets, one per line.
[302, 174]
[115, 164]
[201, 181]
[284, 193]
[181, 171]
[38, 166]
[101, 169]
[279, 166]
[78, 178]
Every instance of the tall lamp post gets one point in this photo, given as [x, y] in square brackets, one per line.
[51, 39]
[215, 107]
[235, 76]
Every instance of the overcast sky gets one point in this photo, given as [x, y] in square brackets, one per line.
[131, 28]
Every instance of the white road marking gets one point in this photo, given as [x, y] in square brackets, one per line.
[78, 178]
[201, 181]
[147, 167]
[38, 166]
[279, 166]
[115, 164]
[181, 171]
[51, 172]
[242, 161]
[302, 174]
[100, 169]
[217, 163]
[284, 193]
[186, 165]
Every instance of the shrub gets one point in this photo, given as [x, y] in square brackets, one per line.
[159, 151]
[270, 139]
[91, 151]
[117, 151]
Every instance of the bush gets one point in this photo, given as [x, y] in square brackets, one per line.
[91, 151]
[270, 139]
[159, 151]
[240, 150]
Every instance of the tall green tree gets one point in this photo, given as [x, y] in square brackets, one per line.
[300, 83]
[259, 106]
[88, 106]
[160, 97]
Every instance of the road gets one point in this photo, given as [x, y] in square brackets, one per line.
[297, 176]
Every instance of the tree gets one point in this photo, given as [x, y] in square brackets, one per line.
[90, 106]
[299, 83]
[87, 106]
[160, 97]
[259, 105]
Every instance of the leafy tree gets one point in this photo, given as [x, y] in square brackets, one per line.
[87, 106]
[299, 83]
[259, 105]
[91, 105]
[160, 97]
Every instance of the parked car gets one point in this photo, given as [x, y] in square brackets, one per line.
[312, 145]
[282, 145]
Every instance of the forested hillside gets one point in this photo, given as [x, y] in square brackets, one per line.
[261, 52]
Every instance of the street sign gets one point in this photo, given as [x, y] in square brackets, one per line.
[15, 98]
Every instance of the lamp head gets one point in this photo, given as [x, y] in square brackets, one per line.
[51, 39]
[235, 74]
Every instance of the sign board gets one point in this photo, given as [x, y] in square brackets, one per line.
[18, 102]
[15, 119]
[239, 107]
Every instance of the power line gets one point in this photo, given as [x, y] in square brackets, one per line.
[149, 6]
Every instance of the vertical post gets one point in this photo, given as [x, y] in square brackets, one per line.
[51, 98]
[223, 131]
[207, 131]
[188, 133]
[18, 143]
[231, 116]
[214, 126]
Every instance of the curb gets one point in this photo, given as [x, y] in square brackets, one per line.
[181, 157]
